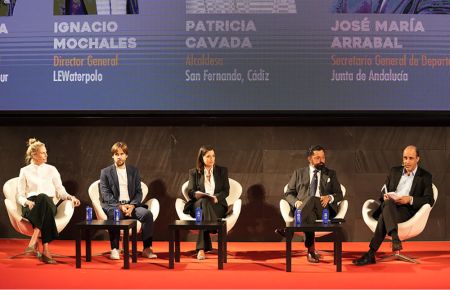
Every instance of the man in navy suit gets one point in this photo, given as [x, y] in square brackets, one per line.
[407, 188]
[120, 188]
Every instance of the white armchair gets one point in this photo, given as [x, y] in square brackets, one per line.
[94, 194]
[288, 216]
[406, 230]
[232, 199]
[64, 211]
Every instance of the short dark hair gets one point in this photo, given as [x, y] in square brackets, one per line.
[311, 149]
[121, 145]
[199, 164]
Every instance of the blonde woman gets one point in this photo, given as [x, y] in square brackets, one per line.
[38, 183]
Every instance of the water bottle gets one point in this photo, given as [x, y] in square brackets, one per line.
[198, 214]
[325, 216]
[298, 216]
[88, 213]
[116, 215]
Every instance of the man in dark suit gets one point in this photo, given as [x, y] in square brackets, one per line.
[407, 188]
[120, 188]
[312, 189]
[84, 7]
[7, 7]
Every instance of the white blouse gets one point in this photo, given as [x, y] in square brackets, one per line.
[35, 179]
[210, 185]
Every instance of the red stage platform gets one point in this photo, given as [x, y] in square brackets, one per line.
[250, 265]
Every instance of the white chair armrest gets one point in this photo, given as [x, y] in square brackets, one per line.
[179, 206]
[64, 213]
[367, 210]
[99, 212]
[153, 206]
[342, 209]
[11, 208]
[233, 217]
[285, 210]
[416, 224]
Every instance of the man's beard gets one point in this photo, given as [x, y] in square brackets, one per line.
[320, 166]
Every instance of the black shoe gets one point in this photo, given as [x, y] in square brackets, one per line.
[317, 254]
[281, 232]
[313, 257]
[396, 245]
[366, 259]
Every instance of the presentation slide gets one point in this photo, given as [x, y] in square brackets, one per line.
[224, 55]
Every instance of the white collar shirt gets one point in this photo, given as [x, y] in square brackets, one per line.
[311, 174]
[210, 185]
[35, 179]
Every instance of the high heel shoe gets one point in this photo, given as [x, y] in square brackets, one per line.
[31, 249]
[47, 260]
[201, 255]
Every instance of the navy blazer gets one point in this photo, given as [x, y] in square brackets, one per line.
[197, 183]
[109, 187]
[298, 187]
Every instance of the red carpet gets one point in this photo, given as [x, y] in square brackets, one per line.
[250, 265]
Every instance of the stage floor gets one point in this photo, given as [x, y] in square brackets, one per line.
[250, 265]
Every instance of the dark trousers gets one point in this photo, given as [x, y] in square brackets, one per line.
[312, 211]
[391, 215]
[210, 212]
[42, 216]
[143, 215]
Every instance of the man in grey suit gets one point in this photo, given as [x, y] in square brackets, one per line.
[312, 189]
[120, 188]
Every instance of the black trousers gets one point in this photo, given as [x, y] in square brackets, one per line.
[42, 216]
[210, 212]
[312, 211]
[391, 215]
[140, 213]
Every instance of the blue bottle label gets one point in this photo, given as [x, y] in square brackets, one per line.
[325, 217]
[298, 216]
[116, 215]
[198, 214]
[89, 213]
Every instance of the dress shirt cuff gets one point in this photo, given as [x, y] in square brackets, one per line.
[412, 200]
[22, 200]
[331, 198]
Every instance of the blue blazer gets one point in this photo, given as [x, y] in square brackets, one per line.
[109, 187]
